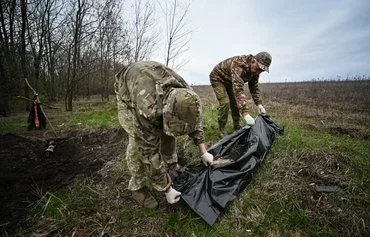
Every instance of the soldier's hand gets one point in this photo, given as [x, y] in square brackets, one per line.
[261, 109]
[172, 195]
[207, 158]
[249, 120]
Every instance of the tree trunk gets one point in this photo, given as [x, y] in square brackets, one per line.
[4, 107]
[27, 104]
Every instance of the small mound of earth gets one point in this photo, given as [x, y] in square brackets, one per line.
[27, 172]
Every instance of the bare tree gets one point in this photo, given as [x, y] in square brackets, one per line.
[178, 34]
[37, 30]
[24, 25]
[108, 31]
[43, 25]
[144, 37]
[54, 37]
[80, 32]
[9, 77]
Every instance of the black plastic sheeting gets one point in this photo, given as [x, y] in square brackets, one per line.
[207, 190]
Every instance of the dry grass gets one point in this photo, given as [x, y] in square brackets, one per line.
[336, 107]
[325, 144]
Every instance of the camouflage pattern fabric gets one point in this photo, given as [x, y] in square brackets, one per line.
[226, 99]
[264, 60]
[140, 89]
[182, 112]
[227, 79]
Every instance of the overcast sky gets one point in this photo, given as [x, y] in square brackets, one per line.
[307, 39]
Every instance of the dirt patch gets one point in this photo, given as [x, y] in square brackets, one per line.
[321, 182]
[27, 172]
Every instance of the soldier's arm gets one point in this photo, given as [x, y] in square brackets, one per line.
[255, 90]
[237, 69]
[197, 136]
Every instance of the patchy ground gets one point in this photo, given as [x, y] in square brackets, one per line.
[27, 172]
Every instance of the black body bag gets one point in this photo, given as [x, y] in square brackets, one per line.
[207, 190]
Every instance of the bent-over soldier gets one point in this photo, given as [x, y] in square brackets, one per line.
[228, 79]
[155, 104]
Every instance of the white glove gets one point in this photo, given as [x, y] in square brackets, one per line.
[250, 121]
[207, 158]
[172, 196]
[261, 109]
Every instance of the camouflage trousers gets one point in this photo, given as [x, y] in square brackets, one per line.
[148, 154]
[226, 99]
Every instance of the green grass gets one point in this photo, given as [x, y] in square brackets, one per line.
[99, 119]
[278, 202]
[187, 223]
[88, 115]
[13, 124]
[70, 206]
[65, 209]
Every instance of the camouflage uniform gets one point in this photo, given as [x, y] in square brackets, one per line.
[228, 79]
[142, 92]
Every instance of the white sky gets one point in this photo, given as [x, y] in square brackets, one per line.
[307, 38]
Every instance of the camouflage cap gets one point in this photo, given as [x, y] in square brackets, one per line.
[181, 112]
[264, 60]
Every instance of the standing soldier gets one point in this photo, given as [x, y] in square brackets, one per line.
[228, 78]
[155, 104]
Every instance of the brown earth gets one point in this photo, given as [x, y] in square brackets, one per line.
[27, 172]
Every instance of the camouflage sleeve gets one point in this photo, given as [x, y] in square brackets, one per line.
[197, 136]
[237, 69]
[255, 90]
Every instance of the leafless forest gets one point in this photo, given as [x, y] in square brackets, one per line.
[69, 49]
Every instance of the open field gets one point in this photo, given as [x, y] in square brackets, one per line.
[336, 107]
[81, 189]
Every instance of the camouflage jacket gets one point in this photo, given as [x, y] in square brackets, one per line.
[142, 86]
[236, 71]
